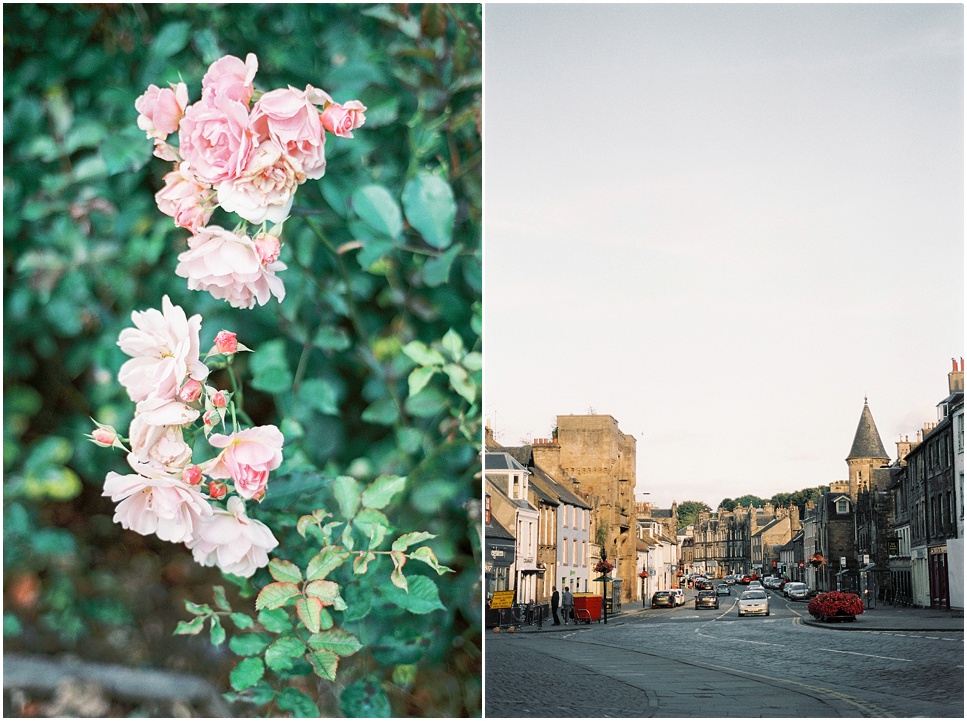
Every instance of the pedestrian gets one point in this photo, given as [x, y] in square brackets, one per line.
[555, 602]
[568, 604]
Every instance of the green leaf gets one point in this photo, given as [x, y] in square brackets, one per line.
[436, 270]
[309, 611]
[280, 654]
[460, 382]
[221, 600]
[329, 338]
[249, 644]
[126, 151]
[285, 571]
[380, 492]
[324, 664]
[430, 208]
[328, 559]
[199, 609]
[217, 632]
[383, 412]
[270, 367]
[422, 355]
[418, 378]
[423, 596]
[298, 703]
[171, 40]
[365, 699]
[373, 524]
[409, 539]
[242, 620]
[321, 395]
[190, 628]
[275, 620]
[325, 591]
[247, 673]
[452, 343]
[276, 595]
[346, 490]
[377, 208]
[337, 640]
[426, 554]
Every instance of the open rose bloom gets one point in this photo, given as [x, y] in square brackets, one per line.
[247, 157]
[246, 458]
[232, 541]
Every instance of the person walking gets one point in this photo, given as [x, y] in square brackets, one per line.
[555, 602]
[568, 604]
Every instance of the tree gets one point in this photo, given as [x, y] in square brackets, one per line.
[688, 512]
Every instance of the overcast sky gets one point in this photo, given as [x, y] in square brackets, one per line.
[724, 225]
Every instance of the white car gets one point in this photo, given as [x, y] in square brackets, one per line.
[796, 591]
[754, 602]
[755, 584]
[679, 596]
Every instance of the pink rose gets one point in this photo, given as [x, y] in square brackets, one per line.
[228, 266]
[185, 199]
[226, 342]
[232, 541]
[191, 391]
[247, 457]
[191, 475]
[156, 434]
[341, 120]
[218, 400]
[160, 111]
[164, 352]
[151, 501]
[268, 247]
[265, 188]
[290, 118]
[216, 139]
[104, 436]
[229, 77]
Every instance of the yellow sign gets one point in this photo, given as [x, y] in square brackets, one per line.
[502, 599]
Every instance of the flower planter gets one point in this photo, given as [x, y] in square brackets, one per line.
[835, 606]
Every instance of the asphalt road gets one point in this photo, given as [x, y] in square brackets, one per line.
[688, 663]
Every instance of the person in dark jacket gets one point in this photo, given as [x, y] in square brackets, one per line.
[555, 602]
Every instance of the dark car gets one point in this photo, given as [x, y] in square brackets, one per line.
[704, 585]
[662, 598]
[707, 599]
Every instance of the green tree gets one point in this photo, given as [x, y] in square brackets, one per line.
[688, 512]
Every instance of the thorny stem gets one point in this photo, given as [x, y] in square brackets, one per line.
[237, 398]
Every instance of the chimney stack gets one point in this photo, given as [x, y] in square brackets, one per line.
[955, 379]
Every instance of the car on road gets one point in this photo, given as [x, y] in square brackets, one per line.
[771, 582]
[730, 579]
[707, 599]
[679, 596]
[704, 585]
[796, 591]
[723, 590]
[745, 580]
[754, 602]
[755, 584]
[663, 599]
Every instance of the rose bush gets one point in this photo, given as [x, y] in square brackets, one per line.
[368, 364]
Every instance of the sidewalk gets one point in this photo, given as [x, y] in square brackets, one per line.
[890, 618]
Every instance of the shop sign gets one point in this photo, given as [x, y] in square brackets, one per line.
[938, 550]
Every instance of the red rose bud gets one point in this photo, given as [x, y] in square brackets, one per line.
[192, 475]
[104, 436]
[191, 391]
[217, 490]
[218, 400]
[225, 342]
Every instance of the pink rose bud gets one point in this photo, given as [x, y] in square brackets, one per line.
[192, 475]
[218, 400]
[268, 247]
[341, 120]
[210, 418]
[104, 436]
[226, 342]
[191, 391]
[217, 490]
[259, 496]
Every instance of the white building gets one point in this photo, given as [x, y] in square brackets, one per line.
[508, 485]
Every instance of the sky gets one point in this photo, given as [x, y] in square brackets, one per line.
[725, 226]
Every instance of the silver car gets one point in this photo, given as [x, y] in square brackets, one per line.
[754, 602]
[796, 591]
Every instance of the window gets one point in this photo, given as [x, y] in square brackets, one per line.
[564, 549]
[577, 560]
[842, 506]
[515, 491]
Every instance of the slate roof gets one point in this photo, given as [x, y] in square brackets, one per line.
[495, 487]
[866, 442]
[494, 529]
[501, 461]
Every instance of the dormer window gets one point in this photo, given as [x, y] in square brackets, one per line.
[515, 490]
[842, 506]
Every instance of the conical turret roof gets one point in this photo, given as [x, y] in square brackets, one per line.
[867, 443]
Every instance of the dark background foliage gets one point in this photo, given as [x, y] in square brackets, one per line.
[370, 270]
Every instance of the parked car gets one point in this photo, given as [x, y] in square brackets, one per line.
[663, 598]
[723, 590]
[754, 602]
[771, 582]
[679, 596]
[796, 591]
[707, 599]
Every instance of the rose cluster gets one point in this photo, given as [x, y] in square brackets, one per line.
[168, 494]
[246, 151]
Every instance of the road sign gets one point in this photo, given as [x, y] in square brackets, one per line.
[502, 599]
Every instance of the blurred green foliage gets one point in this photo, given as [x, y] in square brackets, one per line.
[370, 367]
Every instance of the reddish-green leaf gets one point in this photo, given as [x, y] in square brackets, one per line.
[276, 595]
[337, 640]
[190, 628]
[324, 562]
[285, 571]
[325, 591]
[309, 611]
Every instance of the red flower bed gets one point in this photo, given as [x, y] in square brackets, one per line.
[835, 603]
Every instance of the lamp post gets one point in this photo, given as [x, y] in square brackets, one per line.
[643, 575]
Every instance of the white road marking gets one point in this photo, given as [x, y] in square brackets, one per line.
[757, 643]
[854, 653]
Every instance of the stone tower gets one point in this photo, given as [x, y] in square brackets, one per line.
[866, 453]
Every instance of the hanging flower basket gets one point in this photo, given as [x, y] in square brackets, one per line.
[643, 574]
[816, 560]
[835, 606]
[603, 566]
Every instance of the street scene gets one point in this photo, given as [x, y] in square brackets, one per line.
[687, 663]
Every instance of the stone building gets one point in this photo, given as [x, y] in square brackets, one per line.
[723, 540]
[831, 526]
[865, 454]
[767, 540]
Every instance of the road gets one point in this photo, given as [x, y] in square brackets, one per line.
[680, 663]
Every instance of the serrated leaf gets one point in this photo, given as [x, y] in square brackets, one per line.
[242, 620]
[419, 377]
[249, 644]
[216, 632]
[324, 664]
[280, 653]
[422, 354]
[409, 539]
[247, 673]
[309, 611]
[380, 492]
[190, 628]
[346, 490]
[324, 562]
[275, 620]
[285, 571]
[422, 597]
[276, 595]
[427, 556]
[430, 208]
[221, 600]
[337, 640]
[325, 591]
[362, 561]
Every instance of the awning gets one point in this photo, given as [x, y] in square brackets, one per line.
[873, 568]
